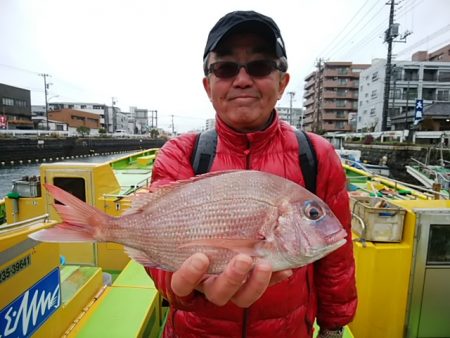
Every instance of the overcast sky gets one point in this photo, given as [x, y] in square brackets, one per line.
[148, 53]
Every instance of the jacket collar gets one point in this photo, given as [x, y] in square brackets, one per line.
[242, 141]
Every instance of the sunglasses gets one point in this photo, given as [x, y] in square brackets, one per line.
[229, 69]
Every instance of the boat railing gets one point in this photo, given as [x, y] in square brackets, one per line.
[358, 165]
[24, 224]
[131, 189]
[434, 174]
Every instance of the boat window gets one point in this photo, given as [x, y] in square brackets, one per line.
[439, 245]
[74, 185]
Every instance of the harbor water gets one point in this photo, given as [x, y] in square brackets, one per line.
[8, 174]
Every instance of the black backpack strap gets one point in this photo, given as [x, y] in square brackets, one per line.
[308, 160]
[204, 151]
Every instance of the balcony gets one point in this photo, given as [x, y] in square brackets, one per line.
[334, 116]
[308, 93]
[339, 73]
[309, 102]
[336, 127]
[337, 95]
[333, 105]
[338, 84]
[309, 84]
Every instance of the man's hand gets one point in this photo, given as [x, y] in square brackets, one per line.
[242, 282]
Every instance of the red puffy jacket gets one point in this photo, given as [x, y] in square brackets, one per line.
[324, 289]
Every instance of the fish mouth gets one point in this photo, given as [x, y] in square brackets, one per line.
[327, 249]
[336, 237]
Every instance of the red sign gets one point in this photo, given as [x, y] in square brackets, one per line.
[2, 121]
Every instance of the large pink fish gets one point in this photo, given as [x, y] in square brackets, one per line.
[219, 214]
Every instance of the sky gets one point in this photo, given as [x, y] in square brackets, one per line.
[148, 53]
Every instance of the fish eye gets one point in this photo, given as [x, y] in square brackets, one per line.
[313, 211]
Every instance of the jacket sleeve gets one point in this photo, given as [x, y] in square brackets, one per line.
[172, 164]
[334, 275]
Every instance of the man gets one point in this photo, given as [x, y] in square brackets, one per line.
[245, 68]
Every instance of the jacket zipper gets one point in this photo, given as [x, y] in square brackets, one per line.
[247, 156]
[245, 314]
[245, 323]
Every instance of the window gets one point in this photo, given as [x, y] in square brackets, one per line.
[340, 114]
[442, 95]
[410, 93]
[78, 118]
[411, 75]
[21, 103]
[439, 245]
[396, 73]
[375, 76]
[430, 75]
[342, 71]
[341, 92]
[7, 101]
[342, 81]
[374, 94]
[340, 125]
[341, 103]
[372, 112]
[428, 93]
[398, 93]
[444, 76]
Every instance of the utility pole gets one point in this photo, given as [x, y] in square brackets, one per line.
[291, 94]
[318, 95]
[389, 35]
[394, 71]
[114, 122]
[46, 85]
[173, 127]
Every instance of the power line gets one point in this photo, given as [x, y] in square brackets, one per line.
[426, 39]
[348, 23]
[364, 37]
[349, 36]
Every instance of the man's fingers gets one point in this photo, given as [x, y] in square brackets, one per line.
[221, 288]
[254, 287]
[186, 278]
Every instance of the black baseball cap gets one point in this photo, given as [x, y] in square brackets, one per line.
[245, 20]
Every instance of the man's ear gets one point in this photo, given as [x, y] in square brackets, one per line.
[284, 81]
[207, 86]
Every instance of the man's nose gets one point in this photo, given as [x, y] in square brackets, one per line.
[242, 77]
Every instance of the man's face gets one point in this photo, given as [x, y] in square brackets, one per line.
[244, 102]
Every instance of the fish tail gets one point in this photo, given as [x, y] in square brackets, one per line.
[80, 221]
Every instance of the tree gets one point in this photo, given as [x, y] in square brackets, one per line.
[154, 133]
[83, 131]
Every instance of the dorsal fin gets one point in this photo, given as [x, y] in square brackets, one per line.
[141, 201]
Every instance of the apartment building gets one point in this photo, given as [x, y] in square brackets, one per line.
[331, 97]
[15, 108]
[292, 116]
[410, 81]
[439, 55]
[76, 118]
